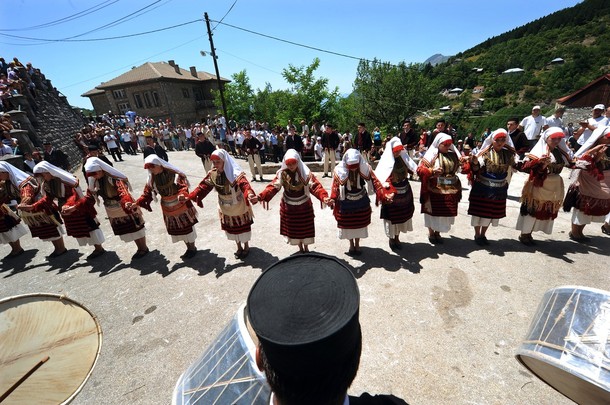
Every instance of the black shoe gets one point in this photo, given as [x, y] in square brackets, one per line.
[526, 240]
[579, 239]
[140, 254]
[13, 255]
[326, 175]
[96, 253]
[253, 179]
[432, 239]
[189, 254]
[605, 230]
[57, 254]
[479, 241]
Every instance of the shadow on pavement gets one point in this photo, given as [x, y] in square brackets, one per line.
[204, 263]
[18, 264]
[257, 259]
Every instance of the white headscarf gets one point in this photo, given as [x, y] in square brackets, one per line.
[542, 148]
[589, 143]
[352, 157]
[232, 169]
[386, 163]
[64, 176]
[94, 164]
[432, 151]
[487, 143]
[157, 161]
[302, 169]
[17, 177]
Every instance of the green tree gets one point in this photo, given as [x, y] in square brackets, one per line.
[239, 97]
[386, 93]
[310, 98]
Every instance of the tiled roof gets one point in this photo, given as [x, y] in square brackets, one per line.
[92, 92]
[154, 71]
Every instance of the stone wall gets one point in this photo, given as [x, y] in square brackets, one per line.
[47, 117]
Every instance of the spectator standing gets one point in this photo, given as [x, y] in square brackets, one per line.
[294, 141]
[330, 143]
[56, 157]
[555, 120]
[252, 147]
[204, 149]
[126, 142]
[517, 137]
[588, 126]
[362, 141]
[113, 148]
[188, 135]
[532, 126]
[408, 137]
[275, 146]
[439, 127]
[153, 148]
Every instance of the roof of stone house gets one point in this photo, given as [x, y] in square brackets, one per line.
[93, 92]
[605, 77]
[154, 71]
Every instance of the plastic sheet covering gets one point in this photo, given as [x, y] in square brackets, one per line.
[226, 373]
[568, 344]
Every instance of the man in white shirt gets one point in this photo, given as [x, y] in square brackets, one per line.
[112, 146]
[532, 125]
[555, 120]
[587, 127]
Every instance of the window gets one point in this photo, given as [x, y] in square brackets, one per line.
[185, 93]
[118, 94]
[156, 100]
[123, 107]
[197, 93]
[138, 99]
[147, 100]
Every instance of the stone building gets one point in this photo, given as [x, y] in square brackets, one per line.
[159, 90]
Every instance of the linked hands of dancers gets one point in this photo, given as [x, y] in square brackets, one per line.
[253, 198]
[68, 209]
[330, 202]
[25, 207]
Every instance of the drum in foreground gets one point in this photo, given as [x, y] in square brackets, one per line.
[49, 345]
[568, 345]
[226, 373]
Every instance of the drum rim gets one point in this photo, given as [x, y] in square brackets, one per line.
[580, 288]
[63, 297]
[557, 364]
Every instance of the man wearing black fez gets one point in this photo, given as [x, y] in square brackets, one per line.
[304, 312]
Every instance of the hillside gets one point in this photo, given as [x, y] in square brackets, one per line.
[578, 35]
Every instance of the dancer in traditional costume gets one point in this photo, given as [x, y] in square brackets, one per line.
[589, 194]
[441, 189]
[396, 197]
[234, 198]
[350, 198]
[77, 210]
[113, 187]
[37, 211]
[296, 210]
[490, 172]
[11, 228]
[543, 191]
[179, 214]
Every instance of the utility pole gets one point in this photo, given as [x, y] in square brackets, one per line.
[213, 53]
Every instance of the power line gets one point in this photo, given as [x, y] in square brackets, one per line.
[103, 39]
[115, 22]
[75, 16]
[133, 63]
[226, 14]
[292, 42]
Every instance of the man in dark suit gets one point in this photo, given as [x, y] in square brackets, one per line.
[518, 137]
[293, 140]
[363, 141]
[55, 156]
[153, 148]
[330, 143]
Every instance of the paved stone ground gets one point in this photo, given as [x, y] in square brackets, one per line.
[441, 324]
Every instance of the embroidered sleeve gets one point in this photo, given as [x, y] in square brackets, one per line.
[146, 198]
[201, 191]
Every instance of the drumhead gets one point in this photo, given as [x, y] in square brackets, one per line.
[35, 326]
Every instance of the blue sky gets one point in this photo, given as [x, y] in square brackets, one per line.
[394, 30]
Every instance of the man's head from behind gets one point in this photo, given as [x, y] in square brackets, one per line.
[304, 311]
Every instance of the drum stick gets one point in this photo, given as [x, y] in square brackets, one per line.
[22, 379]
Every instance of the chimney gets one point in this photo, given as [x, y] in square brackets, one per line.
[193, 71]
[177, 68]
[171, 62]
